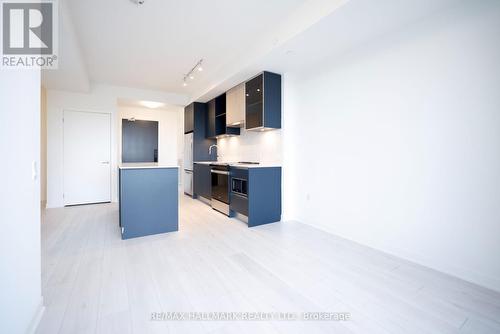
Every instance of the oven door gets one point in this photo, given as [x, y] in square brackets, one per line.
[220, 185]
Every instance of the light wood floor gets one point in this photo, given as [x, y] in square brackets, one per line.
[93, 282]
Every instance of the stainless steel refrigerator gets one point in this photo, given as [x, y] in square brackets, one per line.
[188, 163]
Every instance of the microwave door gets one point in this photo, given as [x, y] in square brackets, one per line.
[239, 186]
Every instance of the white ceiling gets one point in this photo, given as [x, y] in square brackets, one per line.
[152, 46]
[355, 24]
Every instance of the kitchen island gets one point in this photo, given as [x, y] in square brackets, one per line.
[148, 198]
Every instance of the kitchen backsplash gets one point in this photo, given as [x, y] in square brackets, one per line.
[264, 147]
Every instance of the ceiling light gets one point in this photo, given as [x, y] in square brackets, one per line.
[184, 84]
[190, 74]
[236, 123]
[151, 104]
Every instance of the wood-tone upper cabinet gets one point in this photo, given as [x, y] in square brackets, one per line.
[235, 106]
[263, 102]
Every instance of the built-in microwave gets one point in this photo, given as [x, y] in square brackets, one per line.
[239, 186]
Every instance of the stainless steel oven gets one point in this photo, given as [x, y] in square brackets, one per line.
[220, 188]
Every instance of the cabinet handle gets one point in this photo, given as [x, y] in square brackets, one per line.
[219, 172]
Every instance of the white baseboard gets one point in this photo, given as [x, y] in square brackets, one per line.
[465, 274]
[50, 205]
[36, 318]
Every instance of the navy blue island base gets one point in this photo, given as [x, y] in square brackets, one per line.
[149, 199]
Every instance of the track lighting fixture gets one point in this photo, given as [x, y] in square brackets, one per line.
[190, 74]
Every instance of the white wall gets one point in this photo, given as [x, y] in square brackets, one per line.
[170, 130]
[396, 145]
[102, 98]
[43, 146]
[20, 274]
[264, 147]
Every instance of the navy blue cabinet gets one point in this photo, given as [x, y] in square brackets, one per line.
[264, 195]
[189, 118]
[239, 204]
[211, 119]
[216, 125]
[148, 200]
[195, 121]
[260, 198]
[202, 181]
[263, 102]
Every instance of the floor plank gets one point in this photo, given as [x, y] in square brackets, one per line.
[94, 282]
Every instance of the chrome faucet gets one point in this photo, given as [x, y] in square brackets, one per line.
[210, 149]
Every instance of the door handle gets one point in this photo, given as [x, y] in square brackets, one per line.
[105, 162]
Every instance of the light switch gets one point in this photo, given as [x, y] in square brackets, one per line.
[34, 170]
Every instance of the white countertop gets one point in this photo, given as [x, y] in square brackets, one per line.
[254, 166]
[235, 164]
[142, 165]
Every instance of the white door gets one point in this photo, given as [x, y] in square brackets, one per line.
[87, 154]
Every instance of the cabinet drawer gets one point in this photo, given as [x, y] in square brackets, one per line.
[202, 181]
[239, 204]
[239, 173]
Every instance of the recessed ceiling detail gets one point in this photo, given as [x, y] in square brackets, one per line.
[152, 104]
